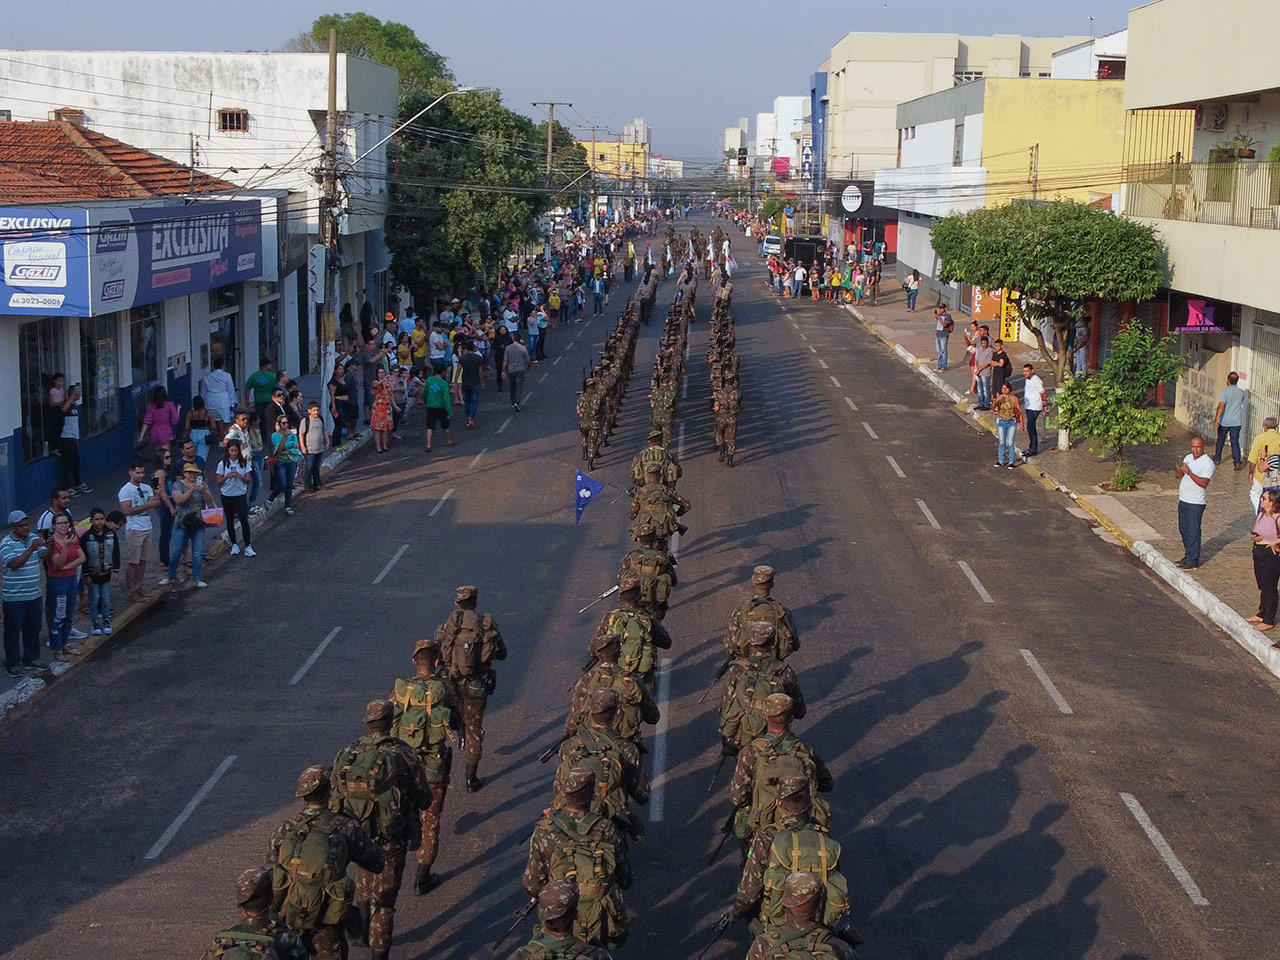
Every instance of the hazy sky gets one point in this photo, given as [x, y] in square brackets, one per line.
[690, 69]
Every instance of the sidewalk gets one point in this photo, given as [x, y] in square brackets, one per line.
[1144, 520]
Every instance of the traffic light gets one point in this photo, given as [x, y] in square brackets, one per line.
[742, 156]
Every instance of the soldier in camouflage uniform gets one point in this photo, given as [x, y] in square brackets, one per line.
[655, 568]
[576, 843]
[256, 932]
[760, 666]
[663, 399]
[761, 606]
[637, 653]
[657, 503]
[726, 403]
[469, 644]
[557, 909]
[326, 940]
[636, 705]
[589, 422]
[803, 897]
[392, 819]
[408, 698]
[596, 741]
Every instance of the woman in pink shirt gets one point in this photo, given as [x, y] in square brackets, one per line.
[1266, 563]
[160, 420]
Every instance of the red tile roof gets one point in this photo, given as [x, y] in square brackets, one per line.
[57, 161]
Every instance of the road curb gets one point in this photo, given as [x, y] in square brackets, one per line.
[32, 686]
[1196, 593]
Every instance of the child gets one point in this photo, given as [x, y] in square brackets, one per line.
[101, 549]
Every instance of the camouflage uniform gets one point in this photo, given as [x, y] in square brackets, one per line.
[379, 889]
[589, 422]
[728, 401]
[657, 637]
[637, 705]
[760, 664]
[257, 931]
[662, 399]
[802, 897]
[655, 588]
[751, 888]
[473, 689]
[655, 453]
[762, 608]
[557, 907]
[658, 504]
[597, 740]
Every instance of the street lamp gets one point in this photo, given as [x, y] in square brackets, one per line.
[447, 93]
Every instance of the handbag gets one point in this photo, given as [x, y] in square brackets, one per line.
[212, 517]
[192, 522]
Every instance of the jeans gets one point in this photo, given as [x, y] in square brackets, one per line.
[21, 617]
[166, 533]
[60, 595]
[943, 341]
[911, 299]
[533, 345]
[314, 460]
[1266, 573]
[777, 284]
[646, 311]
[259, 468]
[1189, 516]
[282, 482]
[236, 506]
[180, 539]
[984, 391]
[100, 604]
[516, 382]
[470, 401]
[1005, 428]
[1234, 434]
[69, 451]
[597, 304]
[1033, 431]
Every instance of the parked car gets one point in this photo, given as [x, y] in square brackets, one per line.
[771, 244]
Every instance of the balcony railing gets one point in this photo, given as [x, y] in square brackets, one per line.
[1238, 193]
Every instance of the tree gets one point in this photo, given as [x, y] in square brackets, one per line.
[772, 207]
[390, 43]
[1059, 255]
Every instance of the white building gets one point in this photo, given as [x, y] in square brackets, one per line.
[1100, 58]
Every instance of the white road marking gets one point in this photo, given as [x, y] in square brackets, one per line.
[894, 463]
[852, 406]
[390, 563]
[928, 515]
[544, 376]
[657, 795]
[813, 348]
[684, 388]
[796, 325]
[673, 546]
[1166, 852]
[680, 445]
[447, 494]
[555, 361]
[476, 458]
[505, 423]
[315, 655]
[835, 383]
[871, 433]
[189, 809]
[525, 398]
[1049, 687]
[802, 336]
[977, 584]
[823, 365]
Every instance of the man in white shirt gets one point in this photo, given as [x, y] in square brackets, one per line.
[137, 500]
[1034, 400]
[797, 280]
[1196, 470]
[219, 392]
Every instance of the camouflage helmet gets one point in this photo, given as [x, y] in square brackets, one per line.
[652, 467]
[762, 632]
[798, 787]
[802, 889]
[579, 780]
[254, 885]
[557, 900]
[762, 574]
[428, 645]
[604, 702]
[465, 593]
[778, 705]
[377, 711]
[646, 529]
[655, 435]
[314, 779]
[628, 582]
[609, 640]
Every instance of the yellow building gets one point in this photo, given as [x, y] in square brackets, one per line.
[614, 158]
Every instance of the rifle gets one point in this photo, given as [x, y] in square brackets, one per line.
[725, 835]
[553, 749]
[715, 776]
[721, 926]
[523, 912]
[724, 668]
[612, 590]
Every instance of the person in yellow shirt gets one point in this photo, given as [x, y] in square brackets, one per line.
[418, 345]
[553, 305]
[1260, 473]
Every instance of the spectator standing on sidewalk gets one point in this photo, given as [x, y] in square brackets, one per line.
[62, 580]
[258, 387]
[1001, 367]
[101, 568]
[219, 392]
[515, 361]
[912, 286]
[1261, 475]
[982, 357]
[137, 500]
[1196, 470]
[943, 325]
[1008, 413]
[1034, 400]
[188, 499]
[234, 475]
[1266, 562]
[22, 553]
[287, 454]
[160, 420]
[1230, 418]
[67, 403]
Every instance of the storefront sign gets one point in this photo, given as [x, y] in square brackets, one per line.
[45, 260]
[851, 198]
[1192, 314]
[1010, 323]
[986, 305]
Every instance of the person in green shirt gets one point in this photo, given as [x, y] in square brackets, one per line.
[257, 389]
[435, 395]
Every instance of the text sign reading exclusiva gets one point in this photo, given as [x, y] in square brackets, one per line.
[185, 250]
[45, 261]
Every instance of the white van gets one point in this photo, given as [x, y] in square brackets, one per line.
[771, 244]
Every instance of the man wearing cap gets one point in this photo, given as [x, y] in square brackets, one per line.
[726, 402]
[323, 927]
[747, 686]
[438, 349]
[256, 932]
[425, 715]
[564, 838]
[662, 400]
[761, 606]
[659, 504]
[557, 910]
[391, 817]
[589, 422]
[655, 452]
[615, 760]
[640, 633]
[22, 554]
[635, 704]
[803, 897]
[655, 568]
[469, 644]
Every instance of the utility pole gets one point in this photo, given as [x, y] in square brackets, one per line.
[1034, 176]
[551, 122]
[329, 225]
[591, 165]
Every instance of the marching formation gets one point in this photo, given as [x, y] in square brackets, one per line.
[602, 389]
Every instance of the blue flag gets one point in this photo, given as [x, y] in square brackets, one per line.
[588, 488]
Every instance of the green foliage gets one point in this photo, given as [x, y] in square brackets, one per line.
[1100, 410]
[1125, 477]
[390, 43]
[1137, 363]
[772, 208]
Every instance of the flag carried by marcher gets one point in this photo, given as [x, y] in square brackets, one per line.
[587, 489]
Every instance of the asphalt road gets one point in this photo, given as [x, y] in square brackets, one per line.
[980, 818]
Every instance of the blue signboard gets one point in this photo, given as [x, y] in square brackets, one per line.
[45, 257]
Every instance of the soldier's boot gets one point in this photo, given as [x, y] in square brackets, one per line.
[383, 954]
[424, 881]
[361, 938]
[591, 463]
[731, 459]
[474, 783]
[720, 447]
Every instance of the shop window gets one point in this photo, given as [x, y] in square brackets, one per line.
[966, 298]
[99, 359]
[144, 350]
[224, 318]
[224, 298]
[40, 356]
[269, 323]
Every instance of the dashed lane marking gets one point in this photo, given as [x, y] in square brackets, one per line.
[852, 406]
[928, 515]
[658, 795]
[555, 361]
[505, 423]
[440, 503]
[1166, 852]
[871, 433]
[476, 458]
[812, 348]
[835, 383]
[894, 463]
[1054, 694]
[977, 584]
[390, 563]
[172, 830]
[823, 365]
[545, 375]
[315, 655]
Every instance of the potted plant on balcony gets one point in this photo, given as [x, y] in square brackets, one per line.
[1244, 145]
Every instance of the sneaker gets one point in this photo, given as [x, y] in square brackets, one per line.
[85, 488]
[1011, 465]
[36, 664]
[107, 629]
[96, 631]
[76, 634]
[289, 511]
[200, 584]
[164, 581]
[250, 552]
[998, 464]
[13, 672]
[235, 549]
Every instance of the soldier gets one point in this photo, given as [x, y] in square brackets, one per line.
[750, 681]
[794, 842]
[640, 633]
[724, 293]
[425, 716]
[636, 706]
[764, 761]
[469, 643]
[655, 452]
[761, 606]
[309, 854]
[656, 569]
[657, 504]
[575, 843]
[662, 400]
[557, 910]
[727, 403]
[380, 782]
[803, 896]
[589, 422]
[619, 773]
[256, 933]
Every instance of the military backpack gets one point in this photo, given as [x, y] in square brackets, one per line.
[309, 878]
[546, 947]
[633, 629]
[464, 647]
[742, 718]
[599, 751]
[814, 944]
[778, 758]
[367, 786]
[810, 849]
[655, 583]
[590, 861]
[422, 720]
[626, 722]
